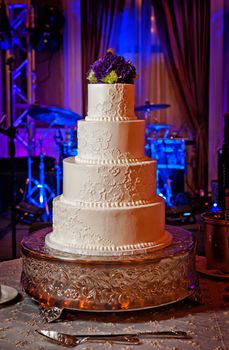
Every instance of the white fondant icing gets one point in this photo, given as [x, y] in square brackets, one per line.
[111, 102]
[111, 141]
[85, 230]
[109, 183]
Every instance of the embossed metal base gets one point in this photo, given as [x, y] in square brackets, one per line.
[100, 283]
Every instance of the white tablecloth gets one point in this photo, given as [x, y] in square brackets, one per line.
[208, 322]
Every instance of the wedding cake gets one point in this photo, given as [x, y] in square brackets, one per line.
[109, 224]
[109, 204]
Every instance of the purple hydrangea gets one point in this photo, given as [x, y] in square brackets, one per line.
[113, 69]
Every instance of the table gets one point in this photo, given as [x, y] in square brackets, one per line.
[207, 322]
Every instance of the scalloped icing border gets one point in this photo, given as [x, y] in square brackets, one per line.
[111, 119]
[106, 204]
[117, 161]
[129, 249]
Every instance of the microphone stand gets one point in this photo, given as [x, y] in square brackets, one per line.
[11, 133]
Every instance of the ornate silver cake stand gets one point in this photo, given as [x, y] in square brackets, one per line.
[60, 280]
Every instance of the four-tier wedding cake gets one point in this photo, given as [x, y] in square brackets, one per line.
[109, 204]
[109, 224]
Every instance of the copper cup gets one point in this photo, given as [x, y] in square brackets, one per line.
[216, 241]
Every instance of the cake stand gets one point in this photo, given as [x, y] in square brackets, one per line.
[59, 280]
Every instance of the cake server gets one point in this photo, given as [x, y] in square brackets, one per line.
[74, 340]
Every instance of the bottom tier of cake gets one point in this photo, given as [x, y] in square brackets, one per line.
[108, 231]
[64, 280]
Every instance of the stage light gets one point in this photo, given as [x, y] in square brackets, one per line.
[41, 199]
[214, 207]
[5, 29]
[27, 213]
[187, 214]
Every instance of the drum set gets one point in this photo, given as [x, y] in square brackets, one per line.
[37, 192]
[169, 152]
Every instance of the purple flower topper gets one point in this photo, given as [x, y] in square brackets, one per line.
[112, 69]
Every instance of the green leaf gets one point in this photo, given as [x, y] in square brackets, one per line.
[111, 78]
[91, 77]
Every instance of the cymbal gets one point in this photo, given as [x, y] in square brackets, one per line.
[54, 115]
[157, 127]
[151, 107]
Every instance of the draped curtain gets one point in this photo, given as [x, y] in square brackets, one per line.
[3, 138]
[100, 28]
[124, 25]
[184, 32]
[219, 82]
[135, 43]
[72, 82]
[1, 85]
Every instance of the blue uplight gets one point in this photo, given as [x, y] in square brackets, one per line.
[214, 207]
[41, 199]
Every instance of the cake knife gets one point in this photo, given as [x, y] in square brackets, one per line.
[124, 338]
[74, 340]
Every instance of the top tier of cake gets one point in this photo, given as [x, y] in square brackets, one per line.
[111, 102]
[111, 132]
